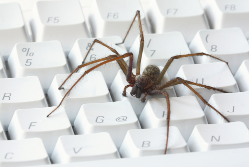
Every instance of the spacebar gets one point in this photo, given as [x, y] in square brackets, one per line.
[219, 158]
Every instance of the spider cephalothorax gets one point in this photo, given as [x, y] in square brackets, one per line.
[144, 82]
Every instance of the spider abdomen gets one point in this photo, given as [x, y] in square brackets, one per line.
[152, 72]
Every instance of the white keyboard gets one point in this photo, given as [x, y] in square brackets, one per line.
[42, 41]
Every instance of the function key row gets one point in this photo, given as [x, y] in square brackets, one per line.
[67, 23]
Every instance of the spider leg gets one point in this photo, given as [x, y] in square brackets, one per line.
[179, 80]
[86, 72]
[83, 65]
[124, 91]
[166, 95]
[105, 45]
[141, 41]
[181, 56]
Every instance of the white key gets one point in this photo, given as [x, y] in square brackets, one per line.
[12, 27]
[216, 75]
[3, 73]
[42, 59]
[227, 44]
[159, 48]
[120, 82]
[177, 15]
[144, 142]
[226, 14]
[29, 123]
[233, 106]
[2, 133]
[91, 89]
[23, 153]
[242, 75]
[88, 147]
[219, 136]
[81, 47]
[115, 117]
[19, 93]
[114, 17]
[58, 20]
[185, 114]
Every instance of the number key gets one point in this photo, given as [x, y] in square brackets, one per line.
[159, 48]
[228, 44]
[41, 59]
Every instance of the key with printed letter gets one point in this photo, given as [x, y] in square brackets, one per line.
[120, 82]
[233, 106]
[144, 142]
[114, 17]
[41, 59]
[219, 136]
[227, 44]
[81, 47]
[91, 89]
[58, 20]
[77, 148]
[29, 123]
[159, 48]
[186, 113]
[19, 93]
[12, 28]
[216, 75]
[23, 153]
[177, 15]
[115, 117]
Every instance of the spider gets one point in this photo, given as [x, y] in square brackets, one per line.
[146, 83]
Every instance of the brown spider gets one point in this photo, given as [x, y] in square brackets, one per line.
[148, 82]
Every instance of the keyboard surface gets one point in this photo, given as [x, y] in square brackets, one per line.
[43, 41]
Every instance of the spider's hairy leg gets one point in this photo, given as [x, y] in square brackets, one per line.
[121, 62]
[166, 95]
[179, 80]
[83, 65]
[86, 72]
[181, 56]
[141, 40]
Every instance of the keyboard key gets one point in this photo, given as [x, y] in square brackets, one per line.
[58, 20]
[216, 75]
[159, 48]
[2, 133]
[242, 75]
[120, 82]
[42, 59]
[227, 44]
[81, 47]
[12, 29]
[23, 152]
[91, 89]
[177, 15]
[19, 93]
[233, 106]
[144, 142]
[29, 123]
[114, 17]
[219, 136]
[3, 73]
[88, 147]
[226, 14]
[185, 114]
[116, 118]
